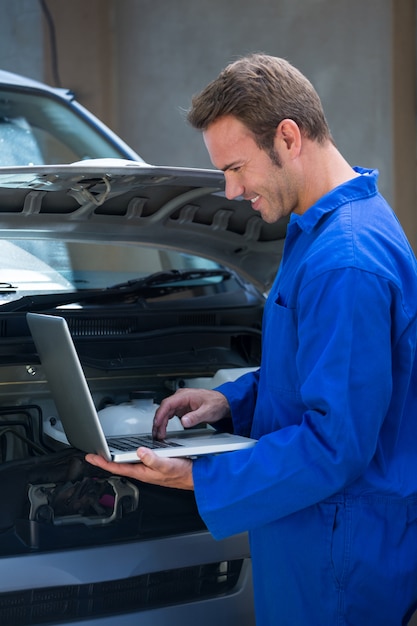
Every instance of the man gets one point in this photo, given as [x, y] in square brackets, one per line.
[329, 492]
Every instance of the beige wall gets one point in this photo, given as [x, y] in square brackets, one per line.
[85, 50]
[136, 64]
[404, 191]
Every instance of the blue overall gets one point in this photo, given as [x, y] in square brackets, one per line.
[329, 492]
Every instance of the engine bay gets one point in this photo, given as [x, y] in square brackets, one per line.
[52, 497]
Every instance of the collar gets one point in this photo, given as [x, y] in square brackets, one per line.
[358, 188]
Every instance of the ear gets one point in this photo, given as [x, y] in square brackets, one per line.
[288, 136]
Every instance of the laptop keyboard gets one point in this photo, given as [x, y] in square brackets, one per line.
[135, 441]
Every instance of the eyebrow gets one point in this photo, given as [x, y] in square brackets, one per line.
[230, 166]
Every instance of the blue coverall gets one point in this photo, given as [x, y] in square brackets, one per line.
[329, 492]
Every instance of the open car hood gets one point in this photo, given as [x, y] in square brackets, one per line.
[182, 209]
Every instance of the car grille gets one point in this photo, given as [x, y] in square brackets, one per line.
[105, 327]
[129, 325]
[52, 605]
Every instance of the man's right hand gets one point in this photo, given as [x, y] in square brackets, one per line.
[193, 406]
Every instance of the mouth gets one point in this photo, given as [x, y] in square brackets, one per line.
[254, 200]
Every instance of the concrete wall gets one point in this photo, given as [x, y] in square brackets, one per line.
[21, 37]
[344, 47]
[136, 64]
[176, 46]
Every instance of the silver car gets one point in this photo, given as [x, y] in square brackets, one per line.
[161, 280]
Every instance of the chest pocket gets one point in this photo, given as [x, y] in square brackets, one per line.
[280, 347]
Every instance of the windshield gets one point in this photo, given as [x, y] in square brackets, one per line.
[33, 267]
[37, 129]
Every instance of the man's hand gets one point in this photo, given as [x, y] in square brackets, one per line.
[176, 473]
[193, 406]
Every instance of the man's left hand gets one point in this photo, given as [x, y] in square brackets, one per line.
[166, 472]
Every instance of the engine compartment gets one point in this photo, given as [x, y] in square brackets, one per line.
[52, 498]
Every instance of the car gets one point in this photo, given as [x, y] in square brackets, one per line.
[162, 282]
[40, 124]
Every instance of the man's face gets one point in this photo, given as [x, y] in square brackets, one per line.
[249, 171]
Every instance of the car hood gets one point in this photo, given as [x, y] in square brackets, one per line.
[183, 209]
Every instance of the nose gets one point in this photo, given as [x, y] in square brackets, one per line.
[233, 188]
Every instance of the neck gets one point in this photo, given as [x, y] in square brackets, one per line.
[324, 169]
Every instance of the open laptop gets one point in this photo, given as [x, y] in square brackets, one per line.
[76, 409]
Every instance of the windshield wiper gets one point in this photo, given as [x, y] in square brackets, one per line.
[172, 276]
[7, 288]
[150, 286]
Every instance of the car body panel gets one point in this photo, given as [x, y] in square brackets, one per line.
[79, 239]
[79, 568]
[181, 208]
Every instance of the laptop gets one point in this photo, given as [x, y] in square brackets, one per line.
[78, 414]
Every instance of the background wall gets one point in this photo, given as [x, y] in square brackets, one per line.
[177, 46]
[21, 37]
[136, 64]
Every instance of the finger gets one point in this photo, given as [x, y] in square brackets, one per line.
[162, 416]
[166, 472]
[95, 459]
[152, 461]
[153, 469]
[177, 404]
[121, 469]
[192, 418]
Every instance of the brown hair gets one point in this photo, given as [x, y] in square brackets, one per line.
[260, 91]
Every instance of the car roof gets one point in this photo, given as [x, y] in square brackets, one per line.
[10, 78]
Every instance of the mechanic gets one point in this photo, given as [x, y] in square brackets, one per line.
[329, 492]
